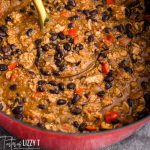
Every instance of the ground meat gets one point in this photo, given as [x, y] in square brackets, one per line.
[27, 60]
[87, 70]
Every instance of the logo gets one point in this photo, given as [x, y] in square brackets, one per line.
[10, 143]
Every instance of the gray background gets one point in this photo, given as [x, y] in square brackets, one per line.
[139, 141]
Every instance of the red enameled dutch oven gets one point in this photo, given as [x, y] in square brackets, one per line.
[50, 140]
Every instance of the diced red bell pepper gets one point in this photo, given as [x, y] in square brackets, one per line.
[80, 91]
[111, 116]
[109, 39]
[110, 2]
[76, 40]
[90, 128]
[72, 32]
[105, 68]
[124, 41]
[12, 66]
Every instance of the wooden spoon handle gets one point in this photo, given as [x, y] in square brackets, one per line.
[43, 16]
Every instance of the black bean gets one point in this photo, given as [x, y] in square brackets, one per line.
[67, 46]
[90, 38]
[93, 13]
[59, 50]
[79, 11]
[76, 111]
[3, 28]
[123, 63]
[80, 46]
[61, 86]
[128, 69]
[40, 89]
[46, 47]
[42, 106]
[61, 102]
[19, 116]
[105, 16]
[127, 12]
[73, 18]
[129, 34]
[29, 32]
[130, 102]
[105, 47]
[30, 13]
[22, 10]
[75, 124]
[107, 30]
[71, 86]
[147, 100]
[41, 125]
[99, 6]
[69, 104]
[53, 37]
[102, 54]
[13, 47]
[52, 82]
[70, 25]
[128, 26]
[71, 40]
[54, 91]
[82, 127]
[119, 28]
[13, 87]
[58, 62]
[87, 95]
[5, 49]
[45, 72]
[61, 35]
[144, 84]
[20, 100]
[8, 19]
[100, 93]
[17, 110]
[62, 67]
[39, 52]
[3, 34]
[86, 13]
[41, 82]
[37, 62]
[38, 42]
[75, 98]
[108, 78]
[72, 3]
[1, 106]
[108, 85]
[109, 9]
[3, 67]
[56, 73]
[60, 8]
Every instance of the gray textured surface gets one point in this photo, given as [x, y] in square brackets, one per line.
[139, 141]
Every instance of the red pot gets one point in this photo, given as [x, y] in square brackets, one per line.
[65, 141]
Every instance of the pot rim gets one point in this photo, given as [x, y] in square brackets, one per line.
[69, 134]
